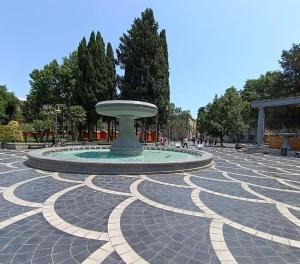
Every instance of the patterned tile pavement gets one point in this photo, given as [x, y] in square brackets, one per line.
[244, 209]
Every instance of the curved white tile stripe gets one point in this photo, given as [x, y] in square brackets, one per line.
[194, 186]
[4, 172]
[282, 181]
[19, 217]
[285, 241]
[55, 220]
[164, 183]
[209, 179]
[246, 187]
[89, 183]
[218, 243]
[10, 196]
[138, 195]
[257, 171]
[116, 236]
[287, 214]
[56, 176]
[225, 174]
[100, 254]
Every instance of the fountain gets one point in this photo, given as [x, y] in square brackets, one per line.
[126, 155]
[126, 111]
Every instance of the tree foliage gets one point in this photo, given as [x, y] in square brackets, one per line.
[143, 55]
[290, 62]
[179, 121]
[8, 105]
[226, 115]
[11, 132]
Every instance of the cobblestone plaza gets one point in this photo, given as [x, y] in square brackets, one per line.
[243, 209]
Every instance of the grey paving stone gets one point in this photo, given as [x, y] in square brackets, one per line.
[20, 249]
[114, 182]
[231, 188]
[86, 208]
[166, 195]
[251, 249]
[169, 178]
[177, 233]
[8, 210]
[40, 189]
[263, 217]
[280, 196]
[113, 258]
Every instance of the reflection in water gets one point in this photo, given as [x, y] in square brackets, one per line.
[104, 155]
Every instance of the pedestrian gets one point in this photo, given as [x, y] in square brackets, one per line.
[194, 141]
[216, 141]
[185, 142]
[205, 141]
[181, 139]
[53, 141]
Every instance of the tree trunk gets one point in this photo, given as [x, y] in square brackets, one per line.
[90, 130]
[72, 130]
[80, 131]
[47, 134]
[157, 132]
[115, 135]
[108, 130]
[143, 131]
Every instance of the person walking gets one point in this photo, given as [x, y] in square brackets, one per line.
[185, 142]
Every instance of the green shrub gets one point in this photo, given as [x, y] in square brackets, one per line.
[12, 132]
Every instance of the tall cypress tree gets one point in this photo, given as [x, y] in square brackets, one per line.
[111, 72]
[143, 55]
[92, 76]
[87, 96]
[136, 55]
[164, 100]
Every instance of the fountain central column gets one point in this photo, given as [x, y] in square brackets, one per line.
[126, 144]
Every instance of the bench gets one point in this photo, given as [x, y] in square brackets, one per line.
[297, 154]
[36, 145]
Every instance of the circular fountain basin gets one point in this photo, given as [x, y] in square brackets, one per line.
[99, 160]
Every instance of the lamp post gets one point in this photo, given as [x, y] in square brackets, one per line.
[57, 111]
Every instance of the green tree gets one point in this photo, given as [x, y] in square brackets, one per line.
[69, 79]
[45, 87]
[111, 72]
[92, 77]
[271, 85]
[76, 114]
[290, 62]
[111, 83]
[226, 115]
[9, 105]
[178, 121]
[143, 56]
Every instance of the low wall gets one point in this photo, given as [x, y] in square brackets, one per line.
[276, 142]
[23, 145]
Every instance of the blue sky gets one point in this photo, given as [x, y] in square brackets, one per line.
[212, 44]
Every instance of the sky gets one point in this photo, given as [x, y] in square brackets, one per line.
[213, 44]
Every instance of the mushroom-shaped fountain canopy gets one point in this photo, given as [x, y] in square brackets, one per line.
[126, 111]
[117, 108]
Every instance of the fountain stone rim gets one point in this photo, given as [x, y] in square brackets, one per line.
[38, 159]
